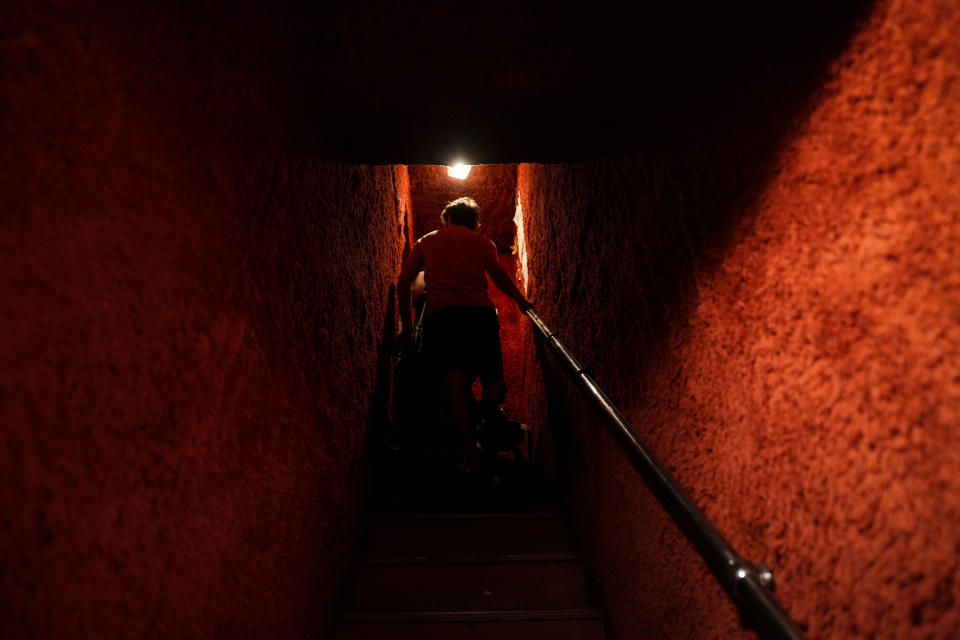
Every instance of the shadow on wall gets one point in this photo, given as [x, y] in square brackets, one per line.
[615, 244]
[662, 215]
[379, 416]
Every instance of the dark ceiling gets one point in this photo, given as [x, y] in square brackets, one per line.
[503, 81]
[506, 81]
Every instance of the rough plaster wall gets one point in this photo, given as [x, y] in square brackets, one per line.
[805, 388]
[191, 339]
[619, 214]
[512, 345]
[493, 186]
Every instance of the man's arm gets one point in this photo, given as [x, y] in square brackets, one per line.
[503, 281]
[408, 273]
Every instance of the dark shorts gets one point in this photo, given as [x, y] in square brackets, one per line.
[466, 339]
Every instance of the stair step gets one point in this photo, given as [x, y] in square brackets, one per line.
[525, 582]
[425, 482]
[473, 558]
[498, 533]
[570, 624]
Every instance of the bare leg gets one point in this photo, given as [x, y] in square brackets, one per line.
[459, 403]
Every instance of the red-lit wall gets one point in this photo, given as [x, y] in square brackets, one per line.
[192, 326]
[493, 186]
[802, 379]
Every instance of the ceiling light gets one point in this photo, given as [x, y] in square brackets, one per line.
[459, 171]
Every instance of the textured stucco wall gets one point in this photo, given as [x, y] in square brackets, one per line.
[493, 186]
[802, 379]
[192, 328]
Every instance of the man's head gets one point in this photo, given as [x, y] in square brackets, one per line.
[462, 211]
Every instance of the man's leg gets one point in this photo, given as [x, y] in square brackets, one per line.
[494, 390]
[458, 392]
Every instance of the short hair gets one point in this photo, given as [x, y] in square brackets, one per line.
[462, 211]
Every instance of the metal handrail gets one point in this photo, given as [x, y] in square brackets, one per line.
[748, 585]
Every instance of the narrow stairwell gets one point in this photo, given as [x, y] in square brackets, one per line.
[455, 556]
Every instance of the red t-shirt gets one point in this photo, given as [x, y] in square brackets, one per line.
[454, 260]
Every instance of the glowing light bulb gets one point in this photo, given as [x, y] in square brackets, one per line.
[459, 171]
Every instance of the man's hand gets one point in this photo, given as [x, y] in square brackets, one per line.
[405, 337]
[505, 282]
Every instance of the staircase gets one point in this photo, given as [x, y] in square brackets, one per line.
[454, 556]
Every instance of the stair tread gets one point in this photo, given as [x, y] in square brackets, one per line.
[542, 585]
[571, 629]
[501, 615]
[481, 557]
[469, 534]
[471, 558]
[546, 514]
